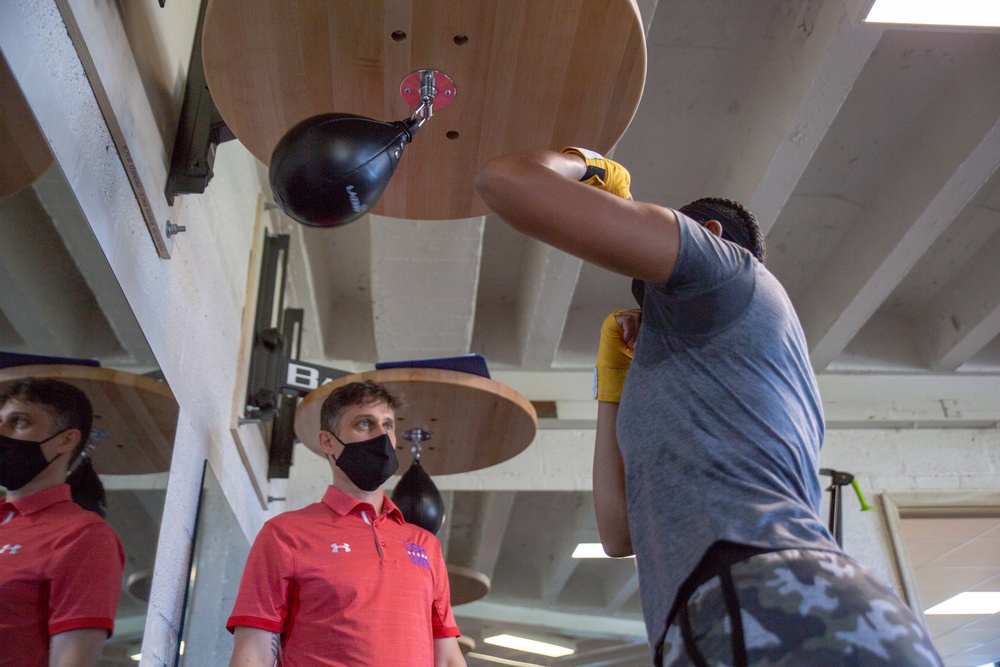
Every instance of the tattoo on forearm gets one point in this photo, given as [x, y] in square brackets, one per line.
[276, 647]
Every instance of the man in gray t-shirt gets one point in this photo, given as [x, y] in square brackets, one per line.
[709, 470]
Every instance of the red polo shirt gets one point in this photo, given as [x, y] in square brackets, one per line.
[345, 588]
[60, 570]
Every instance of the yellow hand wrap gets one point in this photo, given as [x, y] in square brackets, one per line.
[603, 173]
[613, 359]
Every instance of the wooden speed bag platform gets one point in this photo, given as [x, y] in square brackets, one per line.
[528, 75]
[135, 417]
[24, 152]
[474, 422]
[466, 584]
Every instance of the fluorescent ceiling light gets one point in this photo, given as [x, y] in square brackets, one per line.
[970, 13]
[507, 661]
[136, 657]
[551, 647]
[980, 604]
[590, 550]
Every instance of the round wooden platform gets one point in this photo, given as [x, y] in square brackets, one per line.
[467, 644]
[475, 422]
[529, 75]
[467, 585]
[24, 152]
[135, 417]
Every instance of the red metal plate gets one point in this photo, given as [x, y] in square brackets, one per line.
[409, 89]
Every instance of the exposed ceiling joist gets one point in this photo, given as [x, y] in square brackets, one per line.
[548, 280]
[965, 316]
[409, 322]
[494, 516]
[943, 164]
[620, 590]
[823, 81]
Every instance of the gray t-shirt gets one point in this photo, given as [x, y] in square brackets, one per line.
[720, 423]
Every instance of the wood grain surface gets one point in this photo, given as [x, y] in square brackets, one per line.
[475, 422]
[24, 152]
[135, 417]
[529, 74]
[467, 585]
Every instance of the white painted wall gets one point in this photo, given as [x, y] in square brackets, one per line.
[189, 307]
[883, 461]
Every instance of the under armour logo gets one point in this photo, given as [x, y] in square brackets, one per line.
[337, 547]
[9, 548]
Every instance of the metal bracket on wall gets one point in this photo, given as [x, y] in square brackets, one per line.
[275, 383]
[200, 129]
[268, 357]
[283, 429]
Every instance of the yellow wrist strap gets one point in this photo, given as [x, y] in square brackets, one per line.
[603, 173]
[613, 359]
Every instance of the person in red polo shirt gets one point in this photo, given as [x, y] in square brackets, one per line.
[347, 582]
[60, 565]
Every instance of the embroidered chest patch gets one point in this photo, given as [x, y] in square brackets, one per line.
[417, 554]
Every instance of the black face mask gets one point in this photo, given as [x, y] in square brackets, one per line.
[368, 463]
[21, 461]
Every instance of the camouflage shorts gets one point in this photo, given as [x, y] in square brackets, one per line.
[796, 607]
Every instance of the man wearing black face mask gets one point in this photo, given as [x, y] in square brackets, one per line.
[346, 581]
[60, 566]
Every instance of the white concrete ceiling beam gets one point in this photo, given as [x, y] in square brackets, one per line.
[18, 305]
[620, 591]
[547, 282]
[60, 203]
[813, 84]
[577, 527]
[494, 517]
[424, 278]
[849, 401]
[444, 533]
[43, 296]
[340, 261]
[965, 316]
[862, 408]
[949, 156]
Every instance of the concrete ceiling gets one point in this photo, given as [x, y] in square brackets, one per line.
[870, 156]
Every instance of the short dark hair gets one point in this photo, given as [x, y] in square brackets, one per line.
[355, 393]
[739, 224]
[67, 404]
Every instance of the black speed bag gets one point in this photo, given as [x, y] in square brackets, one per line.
[331, 169]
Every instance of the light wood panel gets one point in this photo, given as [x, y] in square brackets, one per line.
[529, 75]
[135, 417]
[475, 422]
[24, 152]
[467, 585]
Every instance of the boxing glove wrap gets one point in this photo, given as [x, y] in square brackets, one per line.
[603, 173]
[613, 359]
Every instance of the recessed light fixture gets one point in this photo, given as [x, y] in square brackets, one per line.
[591, 550]
[959, 13]
[506, 661]
[969, 603]
[552, 647]
[136, 657]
